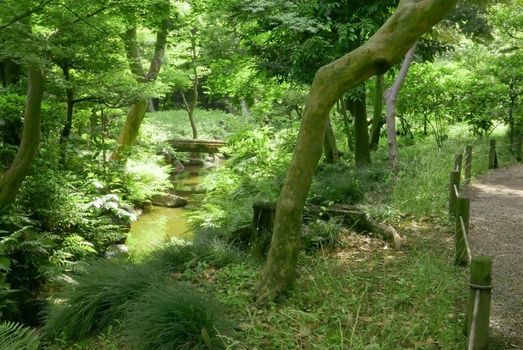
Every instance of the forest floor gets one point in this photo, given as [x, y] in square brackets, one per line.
[497, 231]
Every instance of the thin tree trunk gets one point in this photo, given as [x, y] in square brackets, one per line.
[66, 131]
[346, 123]
[190, 113]
[358, 108]
[377, 118]
[137, 112]
[192, 106]
[11, 180]
[330, 150]
[391, 96]
[386, 47]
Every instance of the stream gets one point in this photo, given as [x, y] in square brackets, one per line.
[158, 226]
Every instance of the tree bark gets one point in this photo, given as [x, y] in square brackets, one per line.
[11, 180]
[330, 150]
[377, 118]
[137, 111]
[358, 108]
[386, 47]
[391, 96]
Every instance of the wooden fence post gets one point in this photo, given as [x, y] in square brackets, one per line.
[458, 162]
[468, 164]
[492, 157]
[454, 181]
[519, 148]
[478, 309]
[462, 211]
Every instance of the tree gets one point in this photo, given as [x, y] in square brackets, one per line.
[137, 111]
[12, 179]
[411, 19]
[391, 97]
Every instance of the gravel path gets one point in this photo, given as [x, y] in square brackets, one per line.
[496, 221]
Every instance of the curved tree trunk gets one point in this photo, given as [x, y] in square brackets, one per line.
[391, 96]
[330, 150]
[411, 19]
[12, 179]
[358, 108]
[137, 112]
[377, 117]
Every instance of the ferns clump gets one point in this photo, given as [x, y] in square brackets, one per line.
[97, 298]
[174, 316]
[14, 336]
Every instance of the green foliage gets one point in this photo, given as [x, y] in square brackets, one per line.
[96, 297]
[14, 336]
[174, 316]
[255, 172]
[145, 177]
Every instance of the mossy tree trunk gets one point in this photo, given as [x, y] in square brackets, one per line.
[137, 111]
[386, 47]
[357, 105]
[11, 180]
[391, 96]
[377, 116]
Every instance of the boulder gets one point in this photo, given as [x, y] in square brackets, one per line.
[168, 200]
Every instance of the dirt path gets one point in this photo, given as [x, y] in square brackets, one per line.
[497, 230]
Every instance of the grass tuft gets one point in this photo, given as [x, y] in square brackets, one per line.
[174, 317]
[96, 298]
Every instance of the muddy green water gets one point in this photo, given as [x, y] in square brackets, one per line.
[157, 227]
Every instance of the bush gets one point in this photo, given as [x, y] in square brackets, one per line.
[174, 316]
[97, 297]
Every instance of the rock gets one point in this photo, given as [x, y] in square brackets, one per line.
[116, 250]
[168, 200]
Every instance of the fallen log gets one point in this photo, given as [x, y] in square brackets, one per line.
[260, 230]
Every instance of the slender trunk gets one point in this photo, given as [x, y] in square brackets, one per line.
[411, 19]
[11, 180]
[192, 106]
[330, 150]
[190, 113]
[137, 112]
[358, 108]
[377, 118]
[391, 96]
[66, 131]
[93, 124]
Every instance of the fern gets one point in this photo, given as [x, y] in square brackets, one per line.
[14, 336]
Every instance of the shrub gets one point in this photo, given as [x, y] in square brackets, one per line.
[178, 256]
[174, 316]
[96, 298]
[14, 336]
